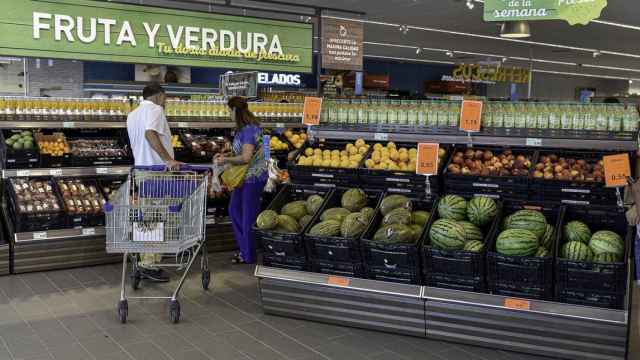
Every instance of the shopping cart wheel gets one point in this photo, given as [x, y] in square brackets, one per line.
[123, 311]
[174, 311]
[206, 279]
[135, 280]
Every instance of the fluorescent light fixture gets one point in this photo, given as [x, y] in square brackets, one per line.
[409, 59]
[515, 30]
[449, 53]
[470, 4]
[504, 59]
[418, 50]
[596, 54]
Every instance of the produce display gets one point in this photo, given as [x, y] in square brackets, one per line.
[54, 145]
[293, 216]
[460, 223]
[400, 225]
[23, 140]
[554, 167]
[350, 157]
[296, 138]
[603, 246]
[80, 198]
[35, 196]
[97, 148]
[525, 233]
[348, 221]
[205, 145]
[276, 144]
[110, 187]
[486, 163]
[176, 142]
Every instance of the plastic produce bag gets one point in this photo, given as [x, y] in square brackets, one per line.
[275, 176]
[215, 183]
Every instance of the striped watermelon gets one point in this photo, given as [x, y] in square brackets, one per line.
[547, 238]
[542, 252]
[576, 251]
[517, 242]
[576, 231]
[605, 241]
[606, 258]
[474, 246]
[452, 207]
[481, 210]
[471, 232]
[447, 234]
[531, 220]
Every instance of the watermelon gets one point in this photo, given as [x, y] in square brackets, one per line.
[547, 238]
[420, 217]
[474, 246]
[353, 225]
[417, 230]
[397, 216]
[471, 231]
[304, 221]
[295, 209]
[326, 228]
[576, 231]
[394, 201]
[542, 252]
[531, 220]
[605, 241]
[606, 258]
[367, 212]
[481, 210]
[394, 234]
[335, 213]
[517, 242]
[288, 223]
[447, 234]
[452, 207]
[313, 204]
[267, 220]
[576, 251]
[354, 200]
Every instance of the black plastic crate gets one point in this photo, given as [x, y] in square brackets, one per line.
[29, 221]
[88, 218]
[105, 147]
[18, 158]
[586, 280]
[285, 262]
[284, 244]
[523, 276]
[336, 248]
[202, 151]
[402, 259]
[574, 192]
[349, 269]
[397, 275]
[47, 160]
[320, 175]
[610, 300]
[458, 269]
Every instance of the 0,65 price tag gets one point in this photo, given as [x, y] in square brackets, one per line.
[41, 235]
[616, 170]
[470, 115]
[55, 172]
[311, 110]
[88, 231]
[183, 125]
[102, 170]
[380, 136]
[23, 173]
[534, 142]
[68, 124]
[427, 159]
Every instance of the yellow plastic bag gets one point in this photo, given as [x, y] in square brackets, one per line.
[233, 177]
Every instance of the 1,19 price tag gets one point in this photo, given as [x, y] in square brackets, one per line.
[517, 304]
[616, 170]
[427, 159]
[311, 110]
[471, 115]
[338, 281]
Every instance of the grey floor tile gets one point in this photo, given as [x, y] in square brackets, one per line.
[361, 345]
[73, 351]
[276, 339]
[4, 352]
[63, 280]
[149, 325]
[114, 356]
[218, 348]
[190, 355]
[146, 351]
[338, 351]
[52, 332]
[386, 355]
[458, 354]
[16, 330]
[125, 334]
[80, 326]
[39, 283]
[172, 343]
[251, 347]
[100, 344]
[39, 357]
[214, 324]
[26, 347]
[410, 352]
[14, 288]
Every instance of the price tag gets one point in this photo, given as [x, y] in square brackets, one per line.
[102, 170]
[68, 124]
[23, 173]
[183, 125]
[427, 159]
[55, 172]
[338, 281]
[517, 304]
[534, 142]
[311, 110]
[41, 235]
[279, 125]
[470, 115]
[380, 136]
[88, 231]
[616, 170]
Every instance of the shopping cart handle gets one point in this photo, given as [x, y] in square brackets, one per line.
[150, 167]
[183, 167]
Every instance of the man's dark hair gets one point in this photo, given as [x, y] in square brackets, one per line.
[151, 90]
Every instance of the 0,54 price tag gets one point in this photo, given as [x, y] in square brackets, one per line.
[616, 170]
[470, 115]
[427, 159]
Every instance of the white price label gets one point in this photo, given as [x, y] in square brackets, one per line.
[39, 235]
[534, 142]
[102, 170]
[55, 172]
[279, 125]
[183, 125]
[68, 124]
[23, 173]
[88, 231]
[380, 136]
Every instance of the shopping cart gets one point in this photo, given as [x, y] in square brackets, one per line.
[160, 212]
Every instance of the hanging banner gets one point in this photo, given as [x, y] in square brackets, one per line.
[105, 31]
[573, 11]
[243, 84]
[342, 44]
[488, 74]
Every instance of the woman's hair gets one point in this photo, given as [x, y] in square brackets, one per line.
[243, 116]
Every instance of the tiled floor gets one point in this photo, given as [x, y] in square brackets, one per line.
[69, 315]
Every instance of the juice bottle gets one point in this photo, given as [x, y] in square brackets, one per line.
[509, 116]
[566, 117]
[520, 116]
[630, 119]
[454, 114]
[487, 115]
[531, 116]
[497, 119]
[543, 113]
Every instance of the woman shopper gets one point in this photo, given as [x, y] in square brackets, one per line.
[245, 199]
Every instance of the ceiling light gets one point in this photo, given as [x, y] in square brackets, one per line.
[596, 53]
[404, 29]
[449, 53]
[504, 59]
[630, 81]
[515, 30]
[470, 4]
[418, 50]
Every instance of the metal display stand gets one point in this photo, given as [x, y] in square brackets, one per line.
[544, 328]
[5, 259]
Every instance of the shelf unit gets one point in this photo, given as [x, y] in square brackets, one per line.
[538, 327]
[173, 123]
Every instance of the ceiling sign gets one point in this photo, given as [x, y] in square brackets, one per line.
[105, 31]
[573, 11]
[489, 74]
[342, 44]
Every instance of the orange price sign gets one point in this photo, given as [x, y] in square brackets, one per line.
[470, 115]
[427, 159]
[616, 169]
[338, 281]
[311, 110]
[517, 304]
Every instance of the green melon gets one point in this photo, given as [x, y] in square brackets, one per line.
[471, 232]
[576, 251]
[417, 230]
[481, 210]
[394, 234]
[288, 223]
[394, 201]
[517, 242]
[267, 220]
[353, 225]
[547, 238]
[452, 207]
[542, 252]
[313, 204]
[326, 228]
[474, 246]
[354, 200]
[335, 213]
[304, 221]
[605, 241]
[576, 231]
[367, 212]
[280, 230]
[420, 217]
[531, 220]
[606, 258]
[447, 234]
[397, 216]
[295, 209]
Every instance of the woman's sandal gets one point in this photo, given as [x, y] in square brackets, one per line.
[237, 259]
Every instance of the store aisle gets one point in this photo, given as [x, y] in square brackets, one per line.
[69, 315]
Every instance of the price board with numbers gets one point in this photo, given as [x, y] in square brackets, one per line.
[471, 115]
[311, 110]
[617, 169]
[427, 159]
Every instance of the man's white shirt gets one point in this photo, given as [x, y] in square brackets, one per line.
[148, 116]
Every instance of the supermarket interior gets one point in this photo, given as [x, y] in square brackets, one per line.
[451, 179]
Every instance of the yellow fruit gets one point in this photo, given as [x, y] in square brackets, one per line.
[335, 163]
[288, 133]
[403, 156]
[442, 152]
[326, 162]
[402, 150]
[384, 165]
[393, 154]
[412, 156]
[393, 166]
[317, 162]
[326, 154]
[317, 151]
[402, 166]
[356, 157]
[375, 156]
[344, 163]
[352, 150]
[303, 136]
[413, 151]
[391, 145]
[412, 165]
[344, 153]
[369, 163]
[362, 150]
[360, 143]
[295, 137]
[384, 151]
[299, 144]
[335, 153]
[302, 160]
[348, 146]
[308, 151]
[353, 164]
[377, 146]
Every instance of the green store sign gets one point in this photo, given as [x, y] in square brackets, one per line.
[102, 31]
[573, 11]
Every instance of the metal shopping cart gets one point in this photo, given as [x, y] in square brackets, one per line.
[160, 212]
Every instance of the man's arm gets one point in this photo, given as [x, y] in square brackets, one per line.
[154, 140]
